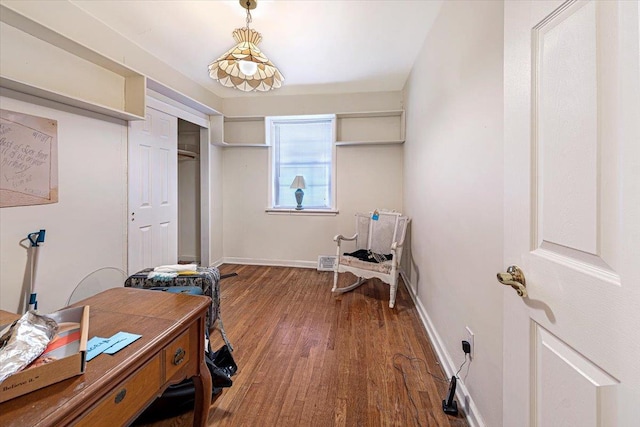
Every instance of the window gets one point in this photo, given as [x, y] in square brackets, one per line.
[302, 145]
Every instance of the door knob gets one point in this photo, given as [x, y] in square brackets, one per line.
[514, 277]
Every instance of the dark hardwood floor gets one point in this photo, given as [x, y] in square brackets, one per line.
[308, 358]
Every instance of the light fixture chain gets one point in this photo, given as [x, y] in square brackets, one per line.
[249, 19]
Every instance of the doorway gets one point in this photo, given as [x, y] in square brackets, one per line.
[189, 203]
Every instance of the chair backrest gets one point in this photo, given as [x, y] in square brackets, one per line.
[377, 235]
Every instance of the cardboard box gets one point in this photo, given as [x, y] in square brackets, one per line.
[70, 356]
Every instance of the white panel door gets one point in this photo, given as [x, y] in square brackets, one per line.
[153, 175]
[572, 213]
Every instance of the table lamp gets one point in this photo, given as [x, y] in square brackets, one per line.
[298, 182]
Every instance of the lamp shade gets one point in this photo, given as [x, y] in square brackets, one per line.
[298, 182]
[244, 66]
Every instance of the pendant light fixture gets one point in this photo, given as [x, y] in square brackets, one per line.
[244, 66]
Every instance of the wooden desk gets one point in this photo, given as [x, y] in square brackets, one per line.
[114, 390]
[7, 317]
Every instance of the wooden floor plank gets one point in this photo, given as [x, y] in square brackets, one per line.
[309, 358]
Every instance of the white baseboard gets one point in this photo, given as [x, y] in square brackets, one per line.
[465, 401]
[217, 263]
[270, 262]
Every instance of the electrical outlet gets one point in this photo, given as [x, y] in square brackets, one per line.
[471, 341]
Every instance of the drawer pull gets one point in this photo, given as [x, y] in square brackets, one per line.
[179, 356]
[120, 396]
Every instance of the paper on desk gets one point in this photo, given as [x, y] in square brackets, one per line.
[98, 345]
[120, 341]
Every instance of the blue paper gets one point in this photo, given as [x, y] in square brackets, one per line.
[120, 341]
[97, 345]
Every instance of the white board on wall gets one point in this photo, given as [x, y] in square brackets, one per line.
[28, 159]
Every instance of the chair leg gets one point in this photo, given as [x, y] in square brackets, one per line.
[393, 288]
[335, 281]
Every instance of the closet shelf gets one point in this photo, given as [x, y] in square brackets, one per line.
[367, 114]
[382, 142]
[30, 89]
[238, 145]
[244, 118]
[101, 75]
[353, 129]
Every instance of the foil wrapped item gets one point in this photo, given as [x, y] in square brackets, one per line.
[27, 338]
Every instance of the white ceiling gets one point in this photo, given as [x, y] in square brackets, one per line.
[327, 46]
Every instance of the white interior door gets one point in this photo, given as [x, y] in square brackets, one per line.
[572, 213]
[153, 175]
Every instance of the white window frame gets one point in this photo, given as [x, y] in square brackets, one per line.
[270, 139]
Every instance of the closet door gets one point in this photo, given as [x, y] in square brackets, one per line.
[153, 175]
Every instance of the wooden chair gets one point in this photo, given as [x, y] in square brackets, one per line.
[377, 234]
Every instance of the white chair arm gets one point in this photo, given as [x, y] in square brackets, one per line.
[396, 245]
[339, 237]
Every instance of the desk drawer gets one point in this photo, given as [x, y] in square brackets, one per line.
[122, 403]
[177, 355]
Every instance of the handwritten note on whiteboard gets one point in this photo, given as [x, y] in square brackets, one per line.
[28, 159]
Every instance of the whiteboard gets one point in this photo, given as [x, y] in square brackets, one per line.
[28, 159]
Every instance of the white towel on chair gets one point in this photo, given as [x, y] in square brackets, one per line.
[176, 268]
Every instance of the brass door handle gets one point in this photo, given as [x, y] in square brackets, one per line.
[514, 277]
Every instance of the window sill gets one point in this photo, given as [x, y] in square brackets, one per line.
[276, 211]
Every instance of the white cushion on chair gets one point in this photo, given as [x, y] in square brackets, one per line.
[383, 267]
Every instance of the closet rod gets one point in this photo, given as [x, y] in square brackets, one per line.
[189, 154]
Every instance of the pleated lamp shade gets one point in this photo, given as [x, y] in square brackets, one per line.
[298, 182]
[228, 69]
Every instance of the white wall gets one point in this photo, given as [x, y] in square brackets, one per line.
[368, 177]
[454, 190]
[86, 229]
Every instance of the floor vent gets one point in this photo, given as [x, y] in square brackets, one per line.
[326, 262]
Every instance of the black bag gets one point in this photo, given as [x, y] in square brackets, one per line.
[224, 361]
[180, 398]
